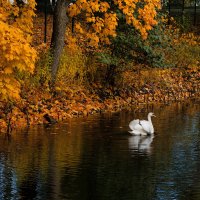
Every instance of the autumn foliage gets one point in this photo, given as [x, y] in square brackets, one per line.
[16, 53]
[100, 19]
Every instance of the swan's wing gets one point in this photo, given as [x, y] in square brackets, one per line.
[147, 126]
[135, 132]
[136, 128]
[133, 123]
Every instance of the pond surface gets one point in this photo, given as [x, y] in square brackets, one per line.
[95, 158]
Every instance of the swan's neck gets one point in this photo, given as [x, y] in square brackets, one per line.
[152, 129]
[149, 119]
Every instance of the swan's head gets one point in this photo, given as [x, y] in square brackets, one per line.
[151, 114]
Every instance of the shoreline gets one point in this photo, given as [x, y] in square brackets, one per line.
[84, 102]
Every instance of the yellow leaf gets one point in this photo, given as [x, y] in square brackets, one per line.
[8, 70]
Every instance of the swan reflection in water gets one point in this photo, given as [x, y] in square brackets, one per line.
[140, 143]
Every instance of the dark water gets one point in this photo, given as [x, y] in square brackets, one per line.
[95, 158]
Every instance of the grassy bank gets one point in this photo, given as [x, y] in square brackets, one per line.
[160, 86]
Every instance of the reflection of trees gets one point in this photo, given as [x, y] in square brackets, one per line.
[38, 159]
[105, 173]
[28, 186]
[91, 160]
[179, 152]
[192, 163]
[174, 159]
[111, 175]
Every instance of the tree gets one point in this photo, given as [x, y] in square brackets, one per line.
[16, 52]
[99, 21]
[60, 20]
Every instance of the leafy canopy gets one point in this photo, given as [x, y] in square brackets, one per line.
[16, 53]
[99, 18]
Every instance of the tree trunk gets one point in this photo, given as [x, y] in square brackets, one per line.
[60, 20]
[110, 74]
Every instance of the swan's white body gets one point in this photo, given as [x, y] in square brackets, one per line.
[142, 127]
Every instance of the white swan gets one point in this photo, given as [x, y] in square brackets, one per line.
[142, 127]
